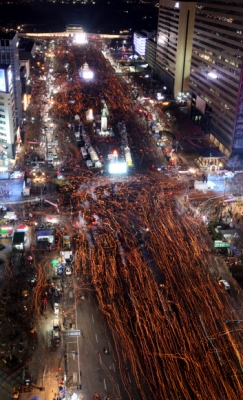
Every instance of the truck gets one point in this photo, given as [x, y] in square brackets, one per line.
[66, 244]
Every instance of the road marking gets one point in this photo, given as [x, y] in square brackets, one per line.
[113, 365]
[129, 378]
[105, 385]
[100, 358]
[96, 337]
[92, 317]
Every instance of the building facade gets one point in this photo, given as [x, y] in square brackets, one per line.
[9, 54]
[174, 43]
[150, 53]
[8, 127]
[140, 39]
[216, 87]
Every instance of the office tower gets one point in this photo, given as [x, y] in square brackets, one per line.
[7, 110]
[140, 39]
[216, 86]
[9, 54]
[174, 43]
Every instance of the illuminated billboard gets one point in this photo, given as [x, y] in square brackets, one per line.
[2, 81]
[118, 168]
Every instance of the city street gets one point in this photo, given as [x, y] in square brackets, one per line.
[118, 277]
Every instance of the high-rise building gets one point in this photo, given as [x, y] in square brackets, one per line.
[140, 39]
[216, 85]
[174, 43]
[9, 54]
[7, 110]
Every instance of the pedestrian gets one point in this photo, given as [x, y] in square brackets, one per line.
[238, 220]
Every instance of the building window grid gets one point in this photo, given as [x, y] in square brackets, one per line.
[167, 54]
[222, 15]
[235, 71]
[166, 62]
[221, 86]
[215, 61]
[206, 89]
[231, 61]
[226, 81]
[220, 112]
[207, 44]
[224, 133]
[232, 28]
[169, 24]
[214, 39]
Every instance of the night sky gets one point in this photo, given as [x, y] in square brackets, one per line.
[99, 17]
